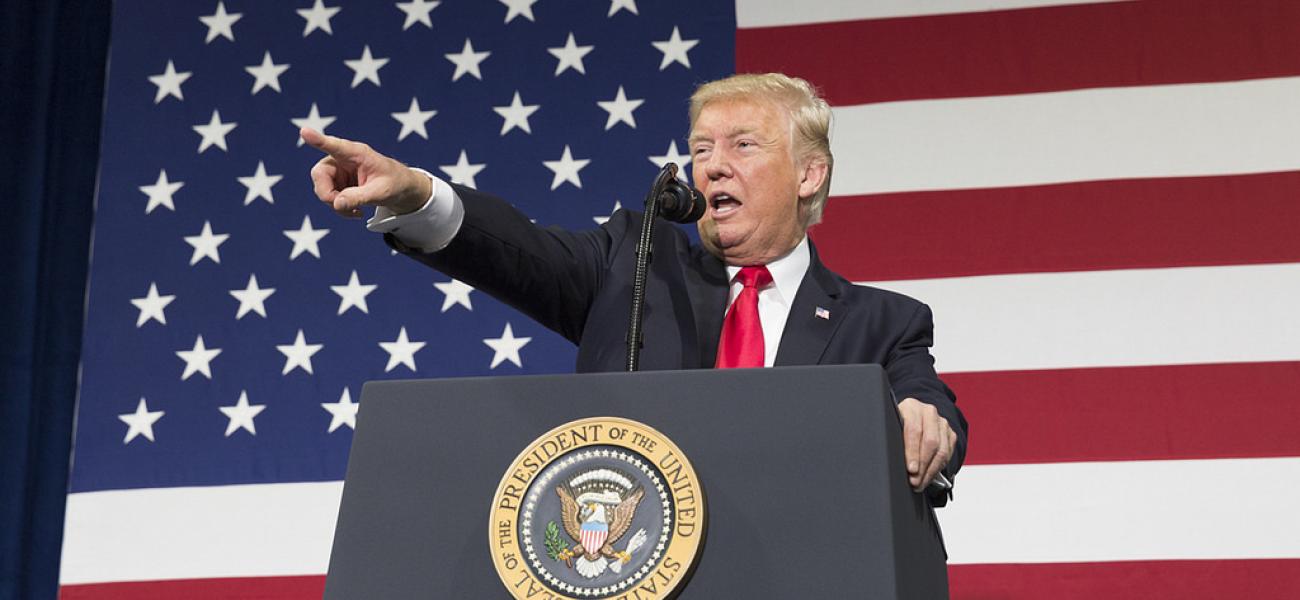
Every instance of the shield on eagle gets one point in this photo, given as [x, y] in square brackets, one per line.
[593, 536]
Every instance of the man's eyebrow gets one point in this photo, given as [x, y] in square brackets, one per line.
[731, 133]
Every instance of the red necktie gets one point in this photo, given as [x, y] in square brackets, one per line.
[742, 331]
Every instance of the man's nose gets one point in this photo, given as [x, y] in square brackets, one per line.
[717, 165]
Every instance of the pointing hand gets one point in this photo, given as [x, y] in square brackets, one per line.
[353, 175]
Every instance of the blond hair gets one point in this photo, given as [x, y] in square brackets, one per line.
[810, 119]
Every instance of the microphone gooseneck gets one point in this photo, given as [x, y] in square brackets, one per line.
[676, 201]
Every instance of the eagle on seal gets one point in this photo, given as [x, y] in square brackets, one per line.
[598, 527]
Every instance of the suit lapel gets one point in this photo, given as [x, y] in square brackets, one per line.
[814, 316]
[708, 291]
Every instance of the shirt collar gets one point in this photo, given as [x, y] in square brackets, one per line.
[787, 271]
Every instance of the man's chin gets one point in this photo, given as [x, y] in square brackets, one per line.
[717, 242]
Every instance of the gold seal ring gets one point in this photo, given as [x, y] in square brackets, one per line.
[602, 507]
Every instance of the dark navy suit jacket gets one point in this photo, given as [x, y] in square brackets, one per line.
[579, 284]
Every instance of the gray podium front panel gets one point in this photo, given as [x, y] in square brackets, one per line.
[802, 468]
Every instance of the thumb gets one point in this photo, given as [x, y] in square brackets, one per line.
[350, 199]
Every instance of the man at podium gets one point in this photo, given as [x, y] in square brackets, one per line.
[752, 294]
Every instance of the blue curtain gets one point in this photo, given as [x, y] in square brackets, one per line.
[52, 65]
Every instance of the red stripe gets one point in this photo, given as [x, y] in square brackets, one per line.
[1183, 579]
[1032, 50]
[1064, 227]
[1131, 413]
[306, 587]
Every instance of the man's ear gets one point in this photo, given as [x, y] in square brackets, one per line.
[813, 176]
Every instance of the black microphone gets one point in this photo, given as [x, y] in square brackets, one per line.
[679, 202]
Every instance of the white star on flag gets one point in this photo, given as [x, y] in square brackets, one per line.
[673, 156]
[298, 354]
[675, 49]
[417, 11]
[241, 414]
[401, 351]
[305, 239]
[605, 219]
[160, 193]
[313, 120]
[219, 23]
[169, 83]
[343, 412]
[413, 120]
[266, 74]
[516, 8]
[570, 55]
[616, 5]
[140, 422]
[318, 17]
[456, 292]
[205, 244]
[252, 298]
[259, 185]
[366, 68]
[353, 294]
[151, 306]
[516, 114]
[620, 109]
[214, 133]
[462, 172]
[566, 169]
[467, 61]
[506, 347]
[198, 359]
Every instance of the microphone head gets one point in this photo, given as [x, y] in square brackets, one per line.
[681, 203]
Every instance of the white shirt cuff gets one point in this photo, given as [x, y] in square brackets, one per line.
[428, 229]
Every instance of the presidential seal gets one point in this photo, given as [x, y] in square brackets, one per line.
[598, 508]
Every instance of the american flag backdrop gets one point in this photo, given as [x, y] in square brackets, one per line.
[1100, 200]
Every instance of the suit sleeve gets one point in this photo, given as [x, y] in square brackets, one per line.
[549, 274]
[911, 372]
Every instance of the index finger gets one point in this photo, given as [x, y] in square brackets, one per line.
[912, 433]
[333, 146]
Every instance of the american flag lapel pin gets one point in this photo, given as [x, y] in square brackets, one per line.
[823, 313]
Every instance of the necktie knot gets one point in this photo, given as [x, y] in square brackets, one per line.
[754, 276]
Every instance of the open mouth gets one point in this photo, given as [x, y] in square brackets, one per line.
[723, 204]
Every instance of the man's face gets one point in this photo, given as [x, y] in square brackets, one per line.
[743, 164]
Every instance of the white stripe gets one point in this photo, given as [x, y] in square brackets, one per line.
[1114, 133]
[776, 13]
[199, 532]
[1068, 512]
[1141, 510]
[1248, 313]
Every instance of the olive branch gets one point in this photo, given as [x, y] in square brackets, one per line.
[556, 547]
